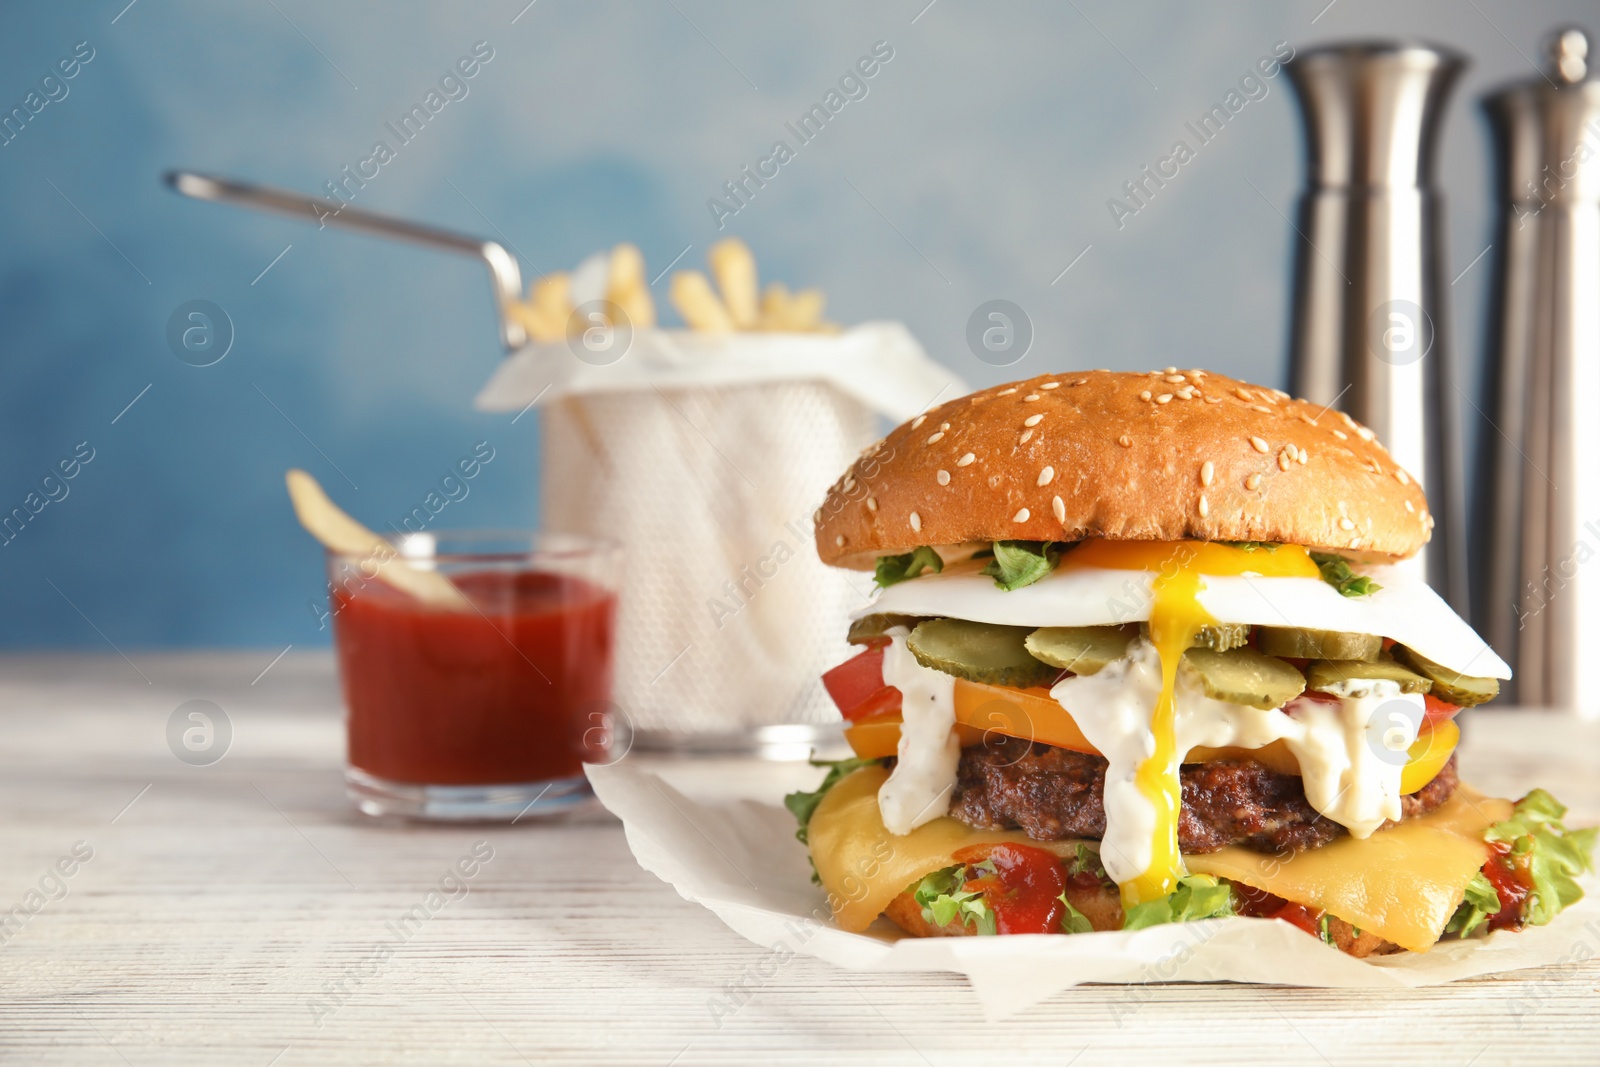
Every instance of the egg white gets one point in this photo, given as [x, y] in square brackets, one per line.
[1405, 609]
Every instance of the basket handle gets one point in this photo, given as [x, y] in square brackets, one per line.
[505, 276]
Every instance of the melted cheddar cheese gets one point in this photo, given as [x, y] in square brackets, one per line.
[1401, 884]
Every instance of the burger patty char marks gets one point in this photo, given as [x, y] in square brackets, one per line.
[1056, 794]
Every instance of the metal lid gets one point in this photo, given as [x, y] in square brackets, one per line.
[1372, 111]
[1548, 128]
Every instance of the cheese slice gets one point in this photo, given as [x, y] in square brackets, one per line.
[863, 866]
[1401, 884]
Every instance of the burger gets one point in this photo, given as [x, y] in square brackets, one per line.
[1153, 648]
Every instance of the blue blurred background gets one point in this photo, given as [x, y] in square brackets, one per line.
[978, 166]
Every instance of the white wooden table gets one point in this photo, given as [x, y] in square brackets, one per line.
[237, 913]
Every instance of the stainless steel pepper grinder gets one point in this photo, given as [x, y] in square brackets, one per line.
[1369, 333]
[1538, 582]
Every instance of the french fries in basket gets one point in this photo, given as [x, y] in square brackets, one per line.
[735, 303]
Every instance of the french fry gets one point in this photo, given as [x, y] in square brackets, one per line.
[627, 289]
[548, 308]
[692, 295]
[805, 309]
[735, 270]
[774, 307]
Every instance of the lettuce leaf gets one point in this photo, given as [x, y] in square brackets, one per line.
[1480, 902]
[1020, 563]
[943, 899]
[1198, 896]
[1555, 855]
[802, 805]
[1337, 573]
[893, 569]
[1074, 921]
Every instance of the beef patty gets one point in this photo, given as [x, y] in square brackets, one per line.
[1055, 794]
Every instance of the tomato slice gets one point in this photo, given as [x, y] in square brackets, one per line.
[856, 686]
[1436, 710]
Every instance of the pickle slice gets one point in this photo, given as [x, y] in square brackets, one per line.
[1465, 690]
[1080, 649]
[1292, 642]
[1325, 675]
[1218, 637]
[979, 652]
[867, 627]
[1245, 676]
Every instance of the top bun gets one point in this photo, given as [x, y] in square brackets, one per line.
[1160, 456]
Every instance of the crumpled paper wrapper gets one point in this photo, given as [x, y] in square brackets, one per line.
[740, 859]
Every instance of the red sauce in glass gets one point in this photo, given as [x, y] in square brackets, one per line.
[1024, 889]
[517, 691]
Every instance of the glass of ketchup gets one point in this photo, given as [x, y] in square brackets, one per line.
[488, 709]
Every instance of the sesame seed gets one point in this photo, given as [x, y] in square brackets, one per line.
[1006, 392]
[1145, 395]
[1186, 393]
[1411, 507]
[1047, 476]
[839, 541]
[1344, 509]
[1205, 507]
[1033, 420]
[1020, 516]
[1261, 408]
[1027, 435]
[849, 483]
[1301, 456]
[1125, 441]
[1213, 400]
[916, 522]
[1208, 471]
[1346, 524]
[1081, 381]
[1051, 385]
[1307, 419]
[1030, 398]
[944, 426]
[936, 438]
[1174, 378]
[917, 422]
[1170, 370]
[965, 460]
[1164, 398]
[1341, 435]
[1284, 460]
[1059, 506]
[1253, 482]
[1355, 542]
[1243, 394]
[942, 477]
[872, 503]
[816, 516]
[1259, 445]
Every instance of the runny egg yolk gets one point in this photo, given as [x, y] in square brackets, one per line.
[1176, 616]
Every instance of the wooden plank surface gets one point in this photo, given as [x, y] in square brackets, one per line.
[243, 913]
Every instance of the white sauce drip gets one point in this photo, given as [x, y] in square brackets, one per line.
[1350, 756]
[919, 787]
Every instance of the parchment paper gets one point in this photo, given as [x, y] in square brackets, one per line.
[740, 859]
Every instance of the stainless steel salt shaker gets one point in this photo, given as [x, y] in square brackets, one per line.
[1539, 576]
[1369, 333]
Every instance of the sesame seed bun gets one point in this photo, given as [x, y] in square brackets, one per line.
[1165, 455]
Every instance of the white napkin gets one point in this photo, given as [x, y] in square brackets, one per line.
[740, 859]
